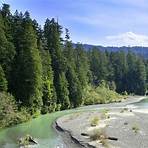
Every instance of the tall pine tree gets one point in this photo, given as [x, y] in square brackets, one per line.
[28, 68]
[52, 32]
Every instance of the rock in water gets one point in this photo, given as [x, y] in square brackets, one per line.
[27, 141]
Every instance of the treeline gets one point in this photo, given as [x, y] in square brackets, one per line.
[127, 72]
[45, 73]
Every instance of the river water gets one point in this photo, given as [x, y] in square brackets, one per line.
[41, 129]
[142, 104]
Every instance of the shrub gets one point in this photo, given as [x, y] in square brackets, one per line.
[36, 113]
[99, 134]
[9, 114]
[95, 121]
[135, 128]
[58, 107]
[124, 110]
[100, 95]
[104, 115]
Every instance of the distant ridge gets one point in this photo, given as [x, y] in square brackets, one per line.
[142, 51]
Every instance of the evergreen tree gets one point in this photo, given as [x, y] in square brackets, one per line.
[63, 87]
[7, 51]
[46, 73]
[131, 77]
[49, 96]
[28, 83]
[7, 19]
[98, 65]
[3, 81]
[141, 78]
[112, 85]
[75, 88]
[119, 64]
[52, 32]
[82, 65]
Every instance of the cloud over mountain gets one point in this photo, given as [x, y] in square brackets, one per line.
[127, 39]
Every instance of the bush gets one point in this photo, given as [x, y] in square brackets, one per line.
[135, 128]
[104, 114]
[36, 114]
[98, 134]
[9, 114]
[58, 107]
[95, 121]
[100, 95]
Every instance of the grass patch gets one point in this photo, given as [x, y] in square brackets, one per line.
[99, 134]
[124, 110]
[95, 121]
[105, 111]
[104, 114]
[135, 128]
[104, 143]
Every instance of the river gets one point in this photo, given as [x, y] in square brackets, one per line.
[41, 128]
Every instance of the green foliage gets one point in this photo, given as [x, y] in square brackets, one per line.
[98, 134]
[119, 70]
[75, 89]
[124, 110]
[136, 71]
[58, 107]
[7, 51]
[26, 141]
[82, 65]
[135, 128]
[104, 114]
[36, 113]
[98, 65]
[74, 84]
[28, 82]
[94, 121]
[3, 81]
[140, 87]
[46, 73]
[64, 96]
[101, 95]
[119, 64]
[49, 96]
[52, 31]
[9, 114]
[112, 85]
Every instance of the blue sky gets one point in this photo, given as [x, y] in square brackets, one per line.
[105, 22]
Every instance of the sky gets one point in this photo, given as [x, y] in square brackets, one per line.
[97, 22]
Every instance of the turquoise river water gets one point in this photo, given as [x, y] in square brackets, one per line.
[41, 129]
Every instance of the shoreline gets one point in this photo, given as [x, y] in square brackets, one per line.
[68, 139]
[69, 134]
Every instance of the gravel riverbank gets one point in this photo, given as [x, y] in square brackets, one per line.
[121, 121]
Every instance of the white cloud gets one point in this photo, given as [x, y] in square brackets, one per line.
[126, 39]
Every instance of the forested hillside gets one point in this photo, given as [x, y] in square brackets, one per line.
[139, 50]
[42, 72]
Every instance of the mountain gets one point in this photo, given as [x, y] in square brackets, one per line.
[142, 51]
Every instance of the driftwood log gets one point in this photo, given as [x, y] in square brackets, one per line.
[112, 138]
